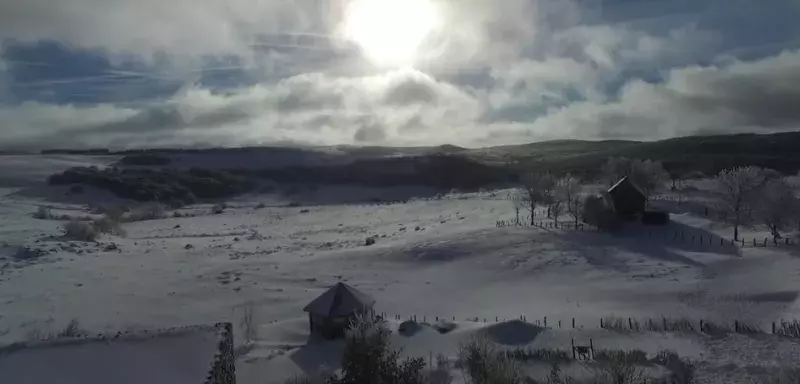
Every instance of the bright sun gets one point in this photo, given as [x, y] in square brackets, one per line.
[390, 32]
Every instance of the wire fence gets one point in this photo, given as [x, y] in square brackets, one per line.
[679, 236]
[785, 328]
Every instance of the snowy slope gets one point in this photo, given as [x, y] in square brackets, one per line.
[433, 257]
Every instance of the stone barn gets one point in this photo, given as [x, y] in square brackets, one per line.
[330, 314]
[627, 199]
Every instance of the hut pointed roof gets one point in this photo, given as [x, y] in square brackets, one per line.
[339, 300]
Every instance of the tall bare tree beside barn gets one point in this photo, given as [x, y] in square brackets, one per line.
[777, 206]
[571, 189]
[738, 189]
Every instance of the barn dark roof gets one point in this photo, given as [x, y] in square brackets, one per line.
[625, 182]
[340, 300]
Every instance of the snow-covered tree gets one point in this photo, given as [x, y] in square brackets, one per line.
[777, 207]
[571, 189]
[737, 188]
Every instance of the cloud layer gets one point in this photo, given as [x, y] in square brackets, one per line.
[247, 72]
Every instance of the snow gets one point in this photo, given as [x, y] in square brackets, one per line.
[183, 358]
[434, 257]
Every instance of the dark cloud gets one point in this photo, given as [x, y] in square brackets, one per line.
[411, 90]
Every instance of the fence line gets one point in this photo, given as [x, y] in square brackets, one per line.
[788, 328]
[676, 236]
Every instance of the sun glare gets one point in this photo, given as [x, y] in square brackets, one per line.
[390, 32]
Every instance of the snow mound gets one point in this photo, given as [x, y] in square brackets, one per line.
[409, 328]
[513, 332]
[444, 326]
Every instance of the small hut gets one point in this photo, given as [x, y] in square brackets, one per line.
[330, 314]
[627, 198]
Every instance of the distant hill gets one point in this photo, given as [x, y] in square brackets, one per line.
[708, 154]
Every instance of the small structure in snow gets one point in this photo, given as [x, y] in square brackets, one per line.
[330, 314]
[627, 198]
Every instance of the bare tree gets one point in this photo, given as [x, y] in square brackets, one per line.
[777, 207]
[532, 183]
[616, 168]
[571, 189]
[518, 201]
[556, 208]
[737, 189]
[647, 174]
[549, 192]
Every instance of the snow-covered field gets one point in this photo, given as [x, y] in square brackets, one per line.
[434, 257]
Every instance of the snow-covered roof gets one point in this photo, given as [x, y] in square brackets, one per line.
[340, 300]
[625, 180]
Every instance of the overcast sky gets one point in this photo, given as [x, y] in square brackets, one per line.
[155, 73]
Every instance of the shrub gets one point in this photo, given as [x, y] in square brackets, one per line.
[72, 329]
[43, 213]
[261, 206]
[441, 374]
[483, 363]
[158, 185]
[219, 208]
[175, 203]
[620, 370]
[109, 225]
[368, 357]
[80, 231]
[788, 328]
[630, 357]
[247, 326]
[548, 355]
[370, 241]
[152, 211]
[681, 371]
[114, 212]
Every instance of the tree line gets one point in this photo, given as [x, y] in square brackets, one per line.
[743, 195]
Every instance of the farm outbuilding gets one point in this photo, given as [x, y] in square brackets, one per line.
[330, 314]
[627, 198]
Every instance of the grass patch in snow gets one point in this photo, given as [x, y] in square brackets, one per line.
[72, 329]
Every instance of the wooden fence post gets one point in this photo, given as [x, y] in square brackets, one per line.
[754, 242]
[701, 325]
[630, 324]
[559, 324]
[773, 327]
[573, 348]
[601, 322]
[573, 323]
[736, 325]
[545, 321]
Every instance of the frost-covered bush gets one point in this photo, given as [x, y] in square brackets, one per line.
[80, 231]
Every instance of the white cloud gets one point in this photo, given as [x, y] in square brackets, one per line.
[545, 75]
